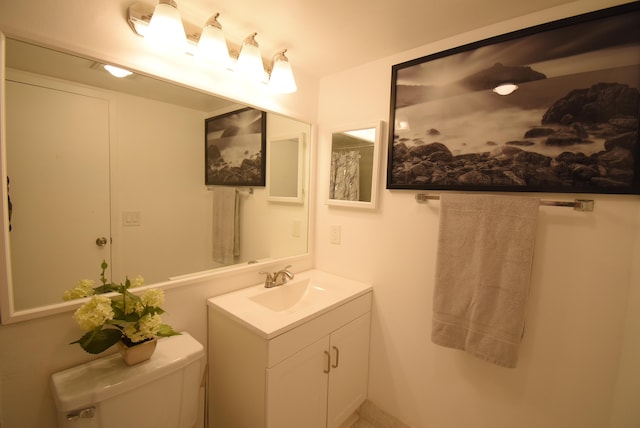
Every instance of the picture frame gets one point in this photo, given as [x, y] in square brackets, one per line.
[235, 148]
[571, 126]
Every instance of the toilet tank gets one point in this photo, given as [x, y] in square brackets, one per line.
[162, 392]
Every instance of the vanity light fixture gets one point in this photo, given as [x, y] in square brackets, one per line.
[505, 89]
[250, 60]
[210, 45]
[117, 71]
[282, 80]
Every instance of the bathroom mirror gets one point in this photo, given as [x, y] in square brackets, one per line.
[285, 168]
[106, 168]
[354, 162]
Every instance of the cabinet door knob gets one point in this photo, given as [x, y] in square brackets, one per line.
[101, 242]
[335, 366]
[328, 367]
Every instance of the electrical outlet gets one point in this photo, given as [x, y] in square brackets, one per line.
[334, 234]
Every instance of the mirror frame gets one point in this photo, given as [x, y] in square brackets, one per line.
[226, 279]
[375, 173]
[301, 142]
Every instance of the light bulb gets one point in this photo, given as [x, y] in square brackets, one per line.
[117, 71]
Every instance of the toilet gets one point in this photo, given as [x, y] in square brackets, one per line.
[162, 392]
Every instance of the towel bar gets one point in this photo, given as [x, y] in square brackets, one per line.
[245, 192]
[249, 191]
[585, 205]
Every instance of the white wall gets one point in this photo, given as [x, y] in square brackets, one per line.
[575, 366]
[31, 351]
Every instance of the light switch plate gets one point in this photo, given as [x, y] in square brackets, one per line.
[335, 233]
[131, 218]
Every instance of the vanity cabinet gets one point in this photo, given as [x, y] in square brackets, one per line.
[314, 375]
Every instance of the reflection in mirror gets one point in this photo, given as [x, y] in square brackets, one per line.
[354, 161]
[285, 168]
[113, 169]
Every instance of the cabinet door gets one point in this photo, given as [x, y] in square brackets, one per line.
[297, 389]
[349, 375]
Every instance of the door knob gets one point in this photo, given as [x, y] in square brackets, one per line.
[101, 242]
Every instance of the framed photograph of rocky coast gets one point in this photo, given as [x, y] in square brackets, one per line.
[551, 108]
[235, 145]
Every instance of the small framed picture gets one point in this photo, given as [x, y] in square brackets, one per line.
[235, 145]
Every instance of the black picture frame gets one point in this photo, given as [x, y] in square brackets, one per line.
[570, 127]
[235, 148]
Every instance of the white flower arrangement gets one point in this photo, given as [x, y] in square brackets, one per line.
[128, 318]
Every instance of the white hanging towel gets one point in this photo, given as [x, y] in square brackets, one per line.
[226, 236]
[483, 270]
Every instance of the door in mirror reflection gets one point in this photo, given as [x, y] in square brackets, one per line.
[353, 167]
[58, 140]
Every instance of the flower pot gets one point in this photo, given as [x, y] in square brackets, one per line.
[137, 353]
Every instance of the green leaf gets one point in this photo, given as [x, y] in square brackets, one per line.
[152, 310]
[118, 313]
[132, 317]
[166, 330]
[98, 340]
[106, 288]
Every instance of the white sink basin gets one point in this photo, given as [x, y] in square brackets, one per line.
[272, 311]
[285, 297]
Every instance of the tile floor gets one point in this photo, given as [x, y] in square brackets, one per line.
[370, 416]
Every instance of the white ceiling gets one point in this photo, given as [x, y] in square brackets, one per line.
[322, 36]
[327, 36]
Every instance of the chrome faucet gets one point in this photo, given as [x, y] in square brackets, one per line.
[277, 278]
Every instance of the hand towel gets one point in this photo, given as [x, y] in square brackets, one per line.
[483, 269]
[226, 236]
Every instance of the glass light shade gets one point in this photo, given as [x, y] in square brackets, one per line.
[505, 89]
[212, 46]
[165, 30]
[282, 80]
[250, 61]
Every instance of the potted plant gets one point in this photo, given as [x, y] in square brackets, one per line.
[127, 319]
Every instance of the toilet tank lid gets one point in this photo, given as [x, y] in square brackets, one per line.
[98, 380]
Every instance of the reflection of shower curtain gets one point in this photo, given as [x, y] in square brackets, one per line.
[344, 183]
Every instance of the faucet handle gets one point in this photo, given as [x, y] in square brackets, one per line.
[268, 281]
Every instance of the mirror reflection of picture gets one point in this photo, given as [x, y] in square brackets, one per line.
[345, 175]
[235, 148]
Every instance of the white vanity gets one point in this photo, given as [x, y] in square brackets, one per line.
[293, 356]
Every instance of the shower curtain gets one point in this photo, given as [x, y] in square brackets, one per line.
[344, 183]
